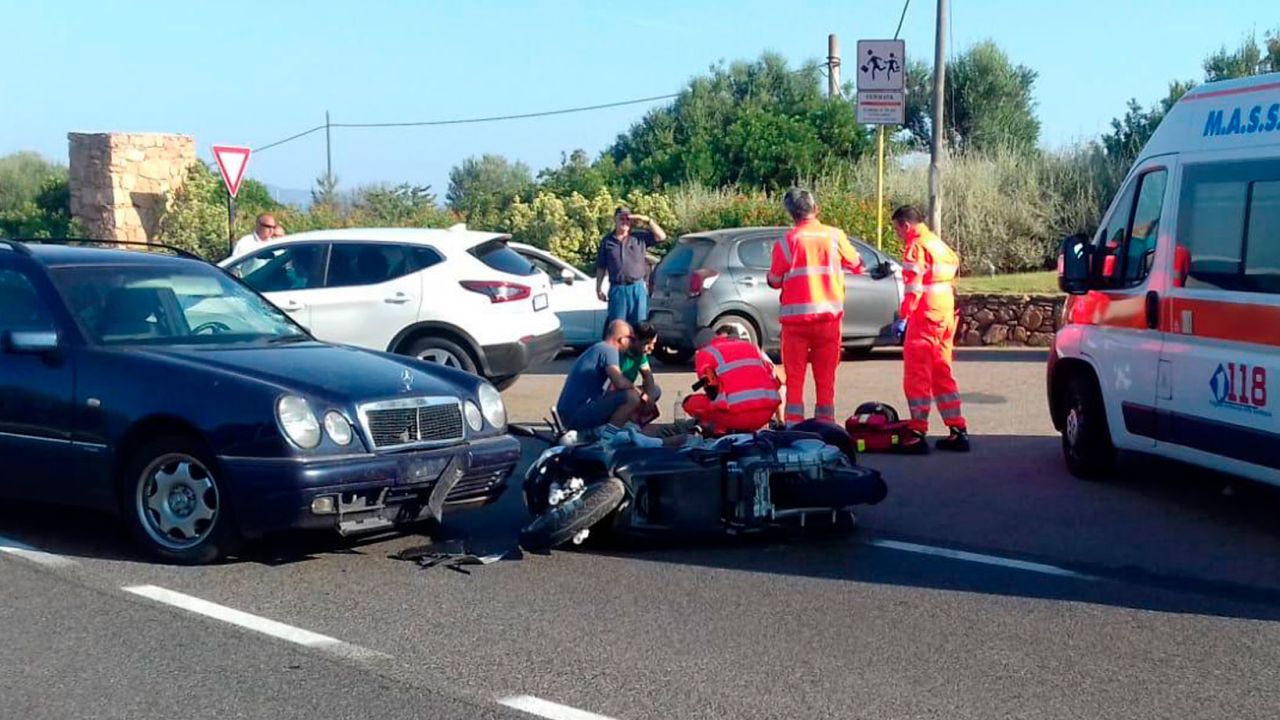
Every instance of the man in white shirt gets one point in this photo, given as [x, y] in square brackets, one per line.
[264, 233]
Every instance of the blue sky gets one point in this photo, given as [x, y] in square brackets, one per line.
[254, 72]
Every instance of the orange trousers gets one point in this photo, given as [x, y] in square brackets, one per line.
[719, 420]
[814, 343]
[927, 375]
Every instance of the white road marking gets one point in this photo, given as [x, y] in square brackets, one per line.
[980, 558]
[548, 709]
[253, 622]
[12, 547]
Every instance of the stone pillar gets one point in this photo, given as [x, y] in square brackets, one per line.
[119, 182]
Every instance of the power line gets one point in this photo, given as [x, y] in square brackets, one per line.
[902, 17]
[466, 121]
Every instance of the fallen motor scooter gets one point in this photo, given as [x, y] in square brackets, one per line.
[733, 484]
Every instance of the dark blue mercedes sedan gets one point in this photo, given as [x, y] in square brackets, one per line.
[158, 386]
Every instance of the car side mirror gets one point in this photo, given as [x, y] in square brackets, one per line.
[566, 276]
[1074, 265]
[881, 271]
[28, 342]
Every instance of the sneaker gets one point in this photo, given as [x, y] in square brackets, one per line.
[916, 444]
[958, 441]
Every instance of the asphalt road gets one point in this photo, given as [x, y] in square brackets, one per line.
[986, 585]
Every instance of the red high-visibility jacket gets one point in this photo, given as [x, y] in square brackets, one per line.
[811, 260]
[743, 377]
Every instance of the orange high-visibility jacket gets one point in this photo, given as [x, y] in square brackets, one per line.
[742, 375]
[929, 268]
[810, 261]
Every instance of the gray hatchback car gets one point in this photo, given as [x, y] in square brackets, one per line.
[717, 279]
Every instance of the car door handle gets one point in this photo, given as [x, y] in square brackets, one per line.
[398, 299]
[749, 281]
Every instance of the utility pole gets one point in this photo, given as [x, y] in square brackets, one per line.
[833, 66]
[328, 150]
[935, 150]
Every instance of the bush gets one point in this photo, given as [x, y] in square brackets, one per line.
[571, 227]
[46, 215]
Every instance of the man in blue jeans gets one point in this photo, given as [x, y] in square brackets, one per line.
[622, 259]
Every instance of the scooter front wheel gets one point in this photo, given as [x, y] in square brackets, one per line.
[562, 523]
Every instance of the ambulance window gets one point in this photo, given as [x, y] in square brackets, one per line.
[1129, 242]
[1262, 244]
[1230, 225]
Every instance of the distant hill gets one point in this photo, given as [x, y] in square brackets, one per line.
[287, 196]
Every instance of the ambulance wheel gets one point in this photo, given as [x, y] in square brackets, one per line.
[1086, 437]
[562, 523]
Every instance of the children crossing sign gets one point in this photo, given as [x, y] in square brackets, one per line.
[882, 82]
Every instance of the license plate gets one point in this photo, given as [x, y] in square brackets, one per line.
[421, 470]
[540, 302]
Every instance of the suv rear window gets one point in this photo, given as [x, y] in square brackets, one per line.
[498, 256]
[686, 255]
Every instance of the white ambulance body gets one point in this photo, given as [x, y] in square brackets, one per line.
[1171, 337]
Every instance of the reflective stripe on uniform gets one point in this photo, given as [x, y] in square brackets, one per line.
[809, 309]
[920, 403]
[949, 413]
[713, 352]
[786, 250]
[749, 395]
[807, 271]
[825, 411]
[726, 368]
[946, 399]
[795, 409]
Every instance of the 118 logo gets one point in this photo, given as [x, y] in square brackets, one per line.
[1239, 385]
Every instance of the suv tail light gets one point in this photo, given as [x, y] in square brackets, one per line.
[701, 280]
[498, 292]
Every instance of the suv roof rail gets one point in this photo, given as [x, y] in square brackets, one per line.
[23, 242]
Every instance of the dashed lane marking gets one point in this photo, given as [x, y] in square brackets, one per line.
[548, 709]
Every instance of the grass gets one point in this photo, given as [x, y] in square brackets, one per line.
[1015, 284]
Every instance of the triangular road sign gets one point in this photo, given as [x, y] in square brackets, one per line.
[231, 163]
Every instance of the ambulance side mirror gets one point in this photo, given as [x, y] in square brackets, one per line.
[1074, 262]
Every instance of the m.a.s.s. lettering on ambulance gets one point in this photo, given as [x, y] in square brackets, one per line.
[1171, 329]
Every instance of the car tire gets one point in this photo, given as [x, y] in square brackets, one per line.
[560, 524]
[173, 504]
[442, 351]
[859, 352]
[743, 327]
[672, 356]
[1086, 436]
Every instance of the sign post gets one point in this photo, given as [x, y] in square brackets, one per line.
[232, 161]
[882, 100]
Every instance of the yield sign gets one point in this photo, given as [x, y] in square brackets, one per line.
[231, 163]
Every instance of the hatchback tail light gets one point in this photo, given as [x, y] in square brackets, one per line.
[498, 292]
[701, 280]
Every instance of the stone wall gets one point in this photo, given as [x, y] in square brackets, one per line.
[119, 181]
[1004, 320]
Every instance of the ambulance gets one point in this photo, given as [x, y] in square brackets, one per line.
[1170, 339]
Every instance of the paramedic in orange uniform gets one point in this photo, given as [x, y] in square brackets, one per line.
[742, 388]
[808, 266]
[928, 323]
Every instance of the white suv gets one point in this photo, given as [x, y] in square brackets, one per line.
[458, 297]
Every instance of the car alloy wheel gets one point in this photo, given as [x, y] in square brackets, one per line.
[441, 356]
[177, 501]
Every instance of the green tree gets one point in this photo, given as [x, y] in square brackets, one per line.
[325, 191]
[1132, 131]
[577, 174]
[1245, 61]
[46, 215]
[760, 123]
[482, 188]
[989, 101]
[24, 175]
[195, 218]
[403, 205]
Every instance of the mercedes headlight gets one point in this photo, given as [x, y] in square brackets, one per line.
[299, 423]
[337, 428]
[491, 406]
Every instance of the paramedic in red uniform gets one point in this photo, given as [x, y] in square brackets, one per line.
[742, 388]
[928, 323]
[808, 266]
